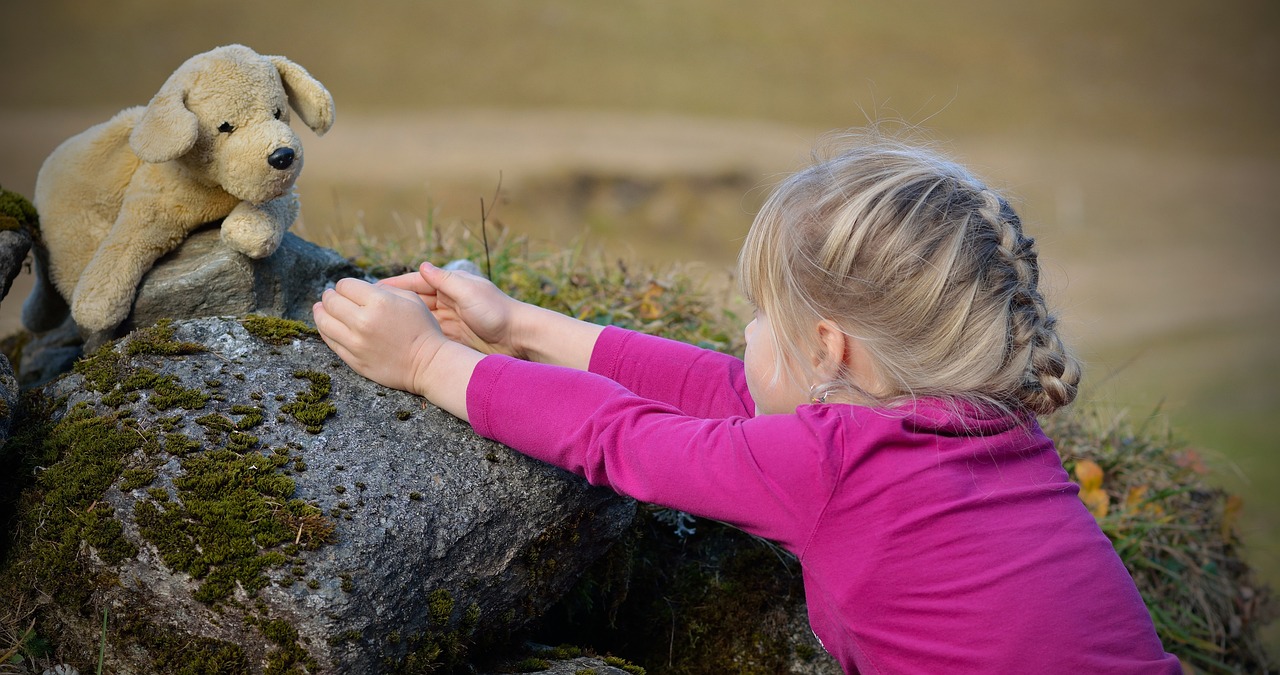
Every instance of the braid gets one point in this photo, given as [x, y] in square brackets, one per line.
[1049, 373]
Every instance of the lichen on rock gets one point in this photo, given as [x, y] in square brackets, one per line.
[184, 479]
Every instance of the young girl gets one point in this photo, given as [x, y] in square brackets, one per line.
[881, 426]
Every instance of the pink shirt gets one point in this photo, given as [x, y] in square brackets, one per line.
[932, 540]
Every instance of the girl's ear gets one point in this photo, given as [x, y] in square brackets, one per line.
[843, 356]
[833, 351]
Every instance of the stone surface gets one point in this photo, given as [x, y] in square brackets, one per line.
[14, 246]
[423, 510]
[204, 277]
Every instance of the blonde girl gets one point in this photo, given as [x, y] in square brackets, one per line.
[881, 425]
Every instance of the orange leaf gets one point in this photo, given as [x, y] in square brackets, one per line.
[1097, 501]
[1089, 475]
[1135, 497]
[650, 308]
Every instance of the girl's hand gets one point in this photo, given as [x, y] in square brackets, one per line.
[468, 308]
[384, 333]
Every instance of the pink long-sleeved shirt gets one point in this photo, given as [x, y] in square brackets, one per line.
[932, 540]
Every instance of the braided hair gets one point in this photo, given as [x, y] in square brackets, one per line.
[923, 263]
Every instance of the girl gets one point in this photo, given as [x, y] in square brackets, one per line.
[881, 425]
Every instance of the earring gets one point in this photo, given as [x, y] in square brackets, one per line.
[817, 398]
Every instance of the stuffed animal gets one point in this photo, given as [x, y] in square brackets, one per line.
[214, 143]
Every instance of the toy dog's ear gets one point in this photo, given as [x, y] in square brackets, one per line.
[307, 96]
[167, 129]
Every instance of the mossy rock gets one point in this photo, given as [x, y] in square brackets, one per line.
[17, 213]
[250, 498]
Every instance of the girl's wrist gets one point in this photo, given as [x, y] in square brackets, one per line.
[527, 332]
[443, 379]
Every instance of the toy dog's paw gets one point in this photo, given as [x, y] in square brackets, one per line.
[251, 231]
[95, 310]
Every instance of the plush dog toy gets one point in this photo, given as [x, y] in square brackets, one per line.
[214, 143]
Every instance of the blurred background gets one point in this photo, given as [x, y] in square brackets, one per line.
[1137, 139]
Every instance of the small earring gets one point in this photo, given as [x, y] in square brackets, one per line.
[817, 398]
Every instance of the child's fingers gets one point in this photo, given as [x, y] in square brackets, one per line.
[409, 281]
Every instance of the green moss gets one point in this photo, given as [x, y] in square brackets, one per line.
[403, 415]
[84, 453]
[310, 407]
[624, 664]
[439, 607]
[16, 212]
[106, 372]
[158, 340]
[532, 665]
[274, 330]
[137, 478]
[290, 655]
[185, 654]
[231, 511]
[180, 445]
[252, 416]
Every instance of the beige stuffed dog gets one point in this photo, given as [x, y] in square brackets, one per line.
[214, 143]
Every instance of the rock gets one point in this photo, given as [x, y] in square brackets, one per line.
[231, 495]
[14, 246]
[18, 219]
[204, 277]
[9, 395]
[201, 278]
[47, 355]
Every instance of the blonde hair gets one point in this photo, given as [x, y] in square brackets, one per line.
[924, 264]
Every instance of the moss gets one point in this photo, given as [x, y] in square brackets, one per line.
[232, 510]
[403, 415]
[290, 654]
[274, 330]
[106, 372]
[185, 654]
[532, 664]
[16, 212]
[158, 340]
[624, 664]
[62, 510]
[137, 478]
[310, 407]
[439, 607]
[180, 445]
[252, 416]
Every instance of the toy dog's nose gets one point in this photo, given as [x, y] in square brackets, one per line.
[281, 159]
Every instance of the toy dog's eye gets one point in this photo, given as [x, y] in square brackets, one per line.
[277, 113]
[226, 128]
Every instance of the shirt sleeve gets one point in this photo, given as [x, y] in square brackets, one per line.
[698, 382]
[769, 475]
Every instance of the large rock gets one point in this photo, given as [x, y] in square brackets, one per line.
[201, 278]
[14, 246]
[204, 277]
[238, 501]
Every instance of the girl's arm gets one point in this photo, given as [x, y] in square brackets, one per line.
[769, 475]
[473, 311]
